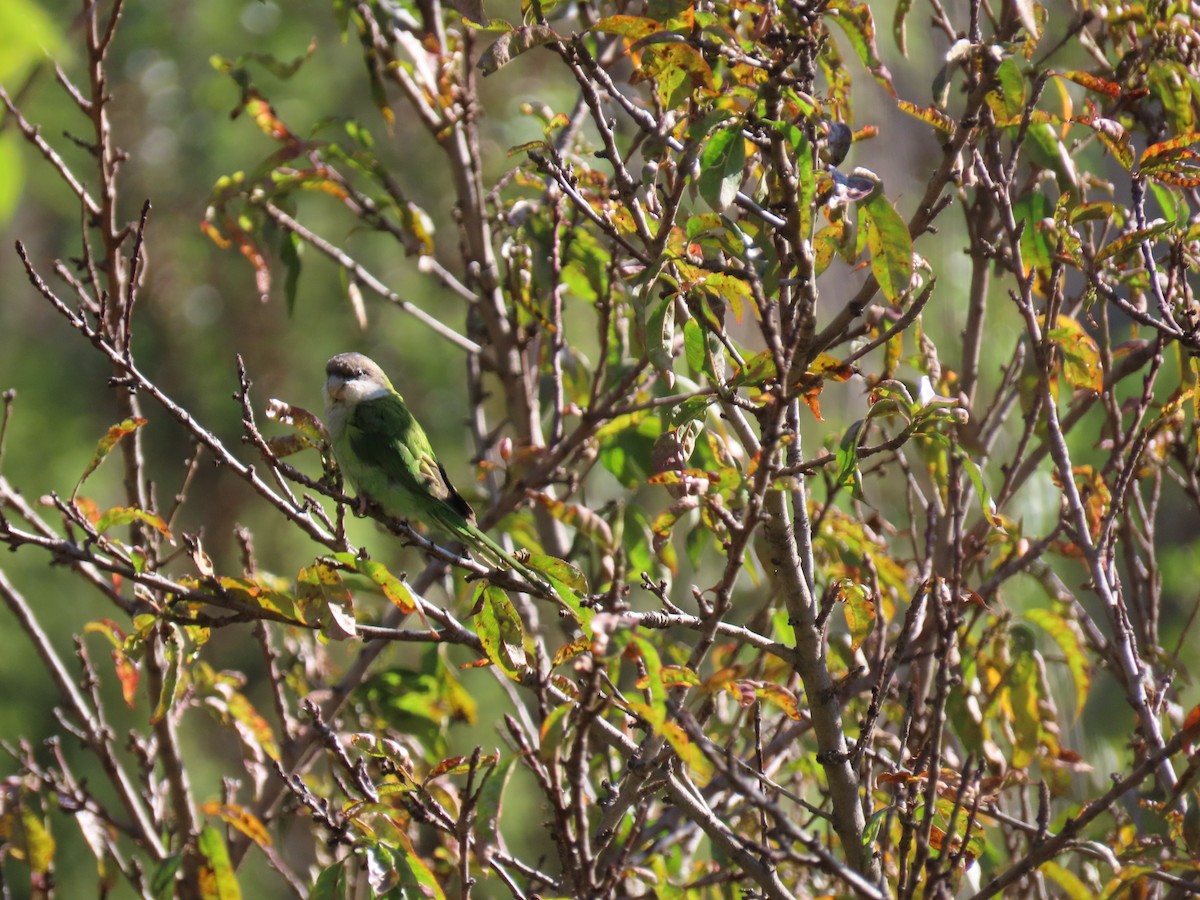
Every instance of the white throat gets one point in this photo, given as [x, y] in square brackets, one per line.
[341, 397]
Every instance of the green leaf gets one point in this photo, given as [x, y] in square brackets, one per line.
[1037, 248]
[899, 26]
[930, 115]
[124, 515]
[721, 167]
[29, 36]
[323, 597]
[859, 610]
[332, 883]
[679, 70]
[413, 878]
[565, 573]
[1080, 353]
[501, 632]
[1130, 241]
[626, 444]
[289, 254]
[733, 290]
[1067, 635]
[779, 696]
[1070, 884]
[38, 843]
[695, 760]
[660, 337]
[1023, 696]
[104, 447]
[397, 591]
[695, 347]
[1168, 149]
[847, 459]
[217, 878]
[890, 246]
[653, 680]
[1046, 149]
[856, 21]
[281, 69]
[12, 176]
[985, 497]
[1011, 99]
[632, 28]
[488, 807]
[162, 886]
[172, 645]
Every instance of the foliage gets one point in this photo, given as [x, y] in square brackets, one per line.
[840, 532]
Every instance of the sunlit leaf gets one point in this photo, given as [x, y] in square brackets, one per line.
[1081, 355]
[671, 676]
[241, 819]
[1130, 241]
[172, 660]
[632, 28]
[721, 163]
[413, 878]
[125, 515]
[930, 115]
[1037, 245]
[1011, 90]
[779, 696]
[217, 879]
[397, 591]
[859, 609]
[1069, 884]
[890, 246]
[1022, 693]
[501, 632]
[581, 644]
[560, 570]
[105, 446]
[987, 504]
[856, 21]
[39, 846]
[323, 597]
[1071, 642]
[848, 475]
[1093, 83]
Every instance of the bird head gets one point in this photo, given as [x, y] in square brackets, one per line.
[351, 379]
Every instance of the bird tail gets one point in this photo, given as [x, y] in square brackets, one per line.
[501, 558]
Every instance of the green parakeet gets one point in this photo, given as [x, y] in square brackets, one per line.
[383, 451]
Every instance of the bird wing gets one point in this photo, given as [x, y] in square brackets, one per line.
[383, 433]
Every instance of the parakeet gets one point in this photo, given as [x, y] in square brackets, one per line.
[384, 453]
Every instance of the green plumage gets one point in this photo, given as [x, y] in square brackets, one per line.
[384, 453]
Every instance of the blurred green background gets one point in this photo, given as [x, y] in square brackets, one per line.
[198, 309]
[171, 112]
